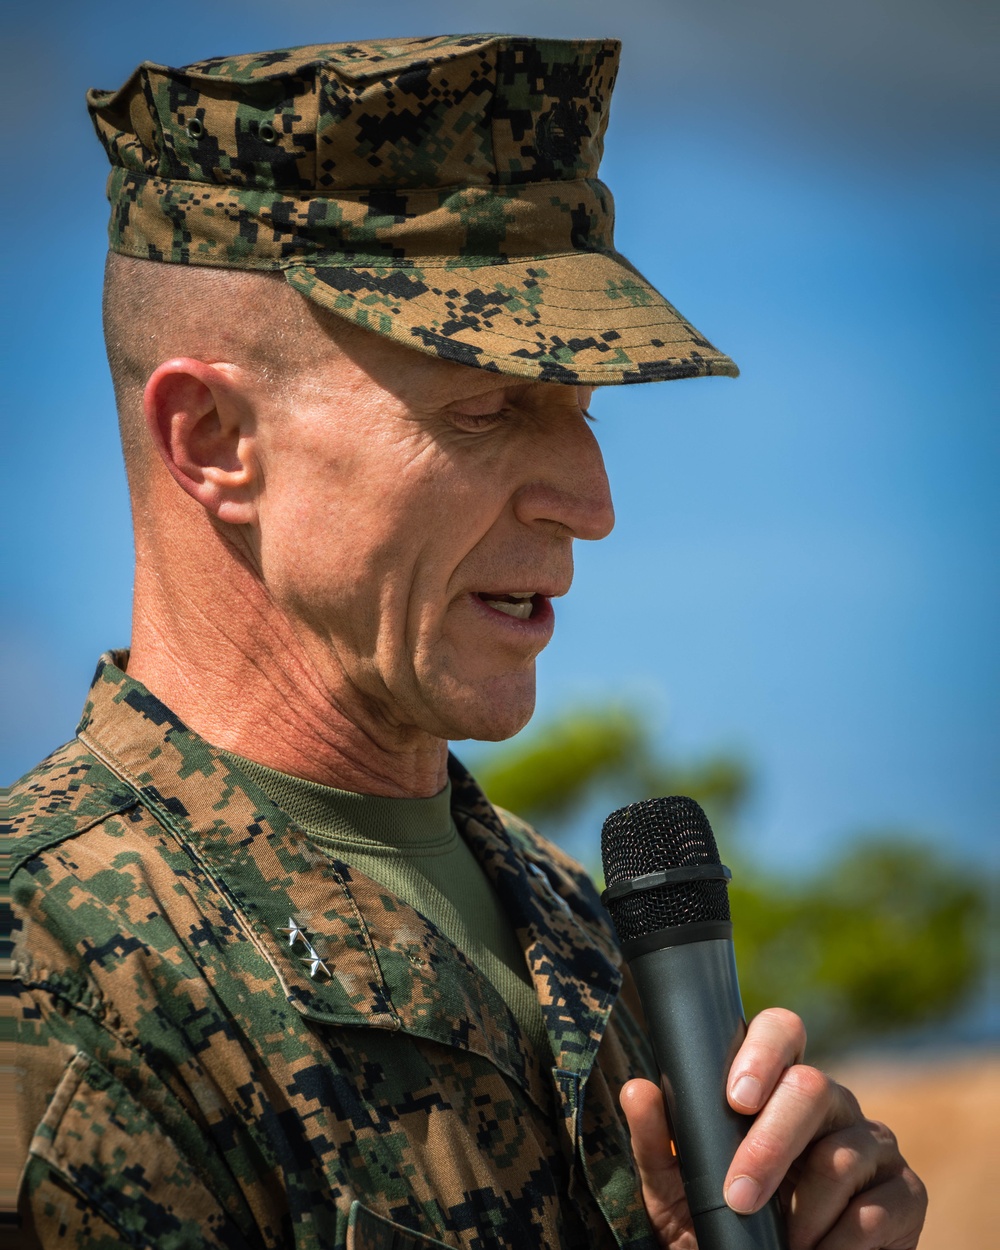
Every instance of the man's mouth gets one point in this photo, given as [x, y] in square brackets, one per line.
[520, 605]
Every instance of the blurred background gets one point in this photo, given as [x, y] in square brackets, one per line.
[796, 617]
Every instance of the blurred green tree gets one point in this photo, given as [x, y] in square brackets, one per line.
[887, 935]
[548, 775]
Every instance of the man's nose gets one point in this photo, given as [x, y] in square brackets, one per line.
[568, 483]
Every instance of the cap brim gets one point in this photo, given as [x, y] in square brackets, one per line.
[585, 318]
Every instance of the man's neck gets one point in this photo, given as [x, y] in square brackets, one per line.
[245, 682]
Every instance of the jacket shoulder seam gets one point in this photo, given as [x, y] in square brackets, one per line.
[61, 825]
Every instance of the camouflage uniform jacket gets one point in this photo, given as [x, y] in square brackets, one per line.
[228, 1038]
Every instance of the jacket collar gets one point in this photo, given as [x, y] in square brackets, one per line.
[344, 950]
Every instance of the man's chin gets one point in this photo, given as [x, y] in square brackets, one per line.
[494, 715]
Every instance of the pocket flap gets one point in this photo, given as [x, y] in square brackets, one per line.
[104, 1146]
[368, 1231]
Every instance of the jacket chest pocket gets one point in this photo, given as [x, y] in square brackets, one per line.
[368, 1231]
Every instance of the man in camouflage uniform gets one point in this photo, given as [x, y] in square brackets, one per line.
[352, 511]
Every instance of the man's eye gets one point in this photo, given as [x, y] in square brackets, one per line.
[479, 420]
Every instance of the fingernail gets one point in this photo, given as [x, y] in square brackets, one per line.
[742, 1194]
[747, 1091]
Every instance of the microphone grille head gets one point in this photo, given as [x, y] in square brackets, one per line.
[653, 836]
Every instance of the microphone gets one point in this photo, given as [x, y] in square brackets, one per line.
[669, 899]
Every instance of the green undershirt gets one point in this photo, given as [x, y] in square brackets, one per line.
[412, 847]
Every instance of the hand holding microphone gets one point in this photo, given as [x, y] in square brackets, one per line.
[668, 896]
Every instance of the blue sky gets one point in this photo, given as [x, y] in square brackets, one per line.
[804, 567]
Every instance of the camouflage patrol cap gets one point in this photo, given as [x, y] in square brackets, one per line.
[440, 191]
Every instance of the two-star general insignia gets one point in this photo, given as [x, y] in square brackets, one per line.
[296, 933]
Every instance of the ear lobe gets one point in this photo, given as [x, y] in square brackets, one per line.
[203, 427]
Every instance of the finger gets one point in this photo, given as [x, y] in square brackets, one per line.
[888, 1216]
[642, 1103]
[804, 1105]
[662, 1189]
[775, 1040]
[833, 1170]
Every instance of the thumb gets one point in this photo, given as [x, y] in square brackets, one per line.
[656, 1163]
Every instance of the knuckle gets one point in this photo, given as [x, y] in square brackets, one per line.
[809, 1084]
[918, 1190]
[891, 1214]
[764, 1152]
[872, 1219]
[788, 1022]
[851, 1102]
[838, 1162]
[884, 1136]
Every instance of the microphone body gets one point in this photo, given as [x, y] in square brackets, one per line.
[685, 973]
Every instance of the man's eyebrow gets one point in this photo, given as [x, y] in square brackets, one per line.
[499, 394]
[511, 392]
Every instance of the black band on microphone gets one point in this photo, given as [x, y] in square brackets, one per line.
[678, 935]
[669, 876]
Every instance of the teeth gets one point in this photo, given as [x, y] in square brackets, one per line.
[522, 609]
[517, 605]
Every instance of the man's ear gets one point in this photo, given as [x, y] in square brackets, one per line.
[202, 423]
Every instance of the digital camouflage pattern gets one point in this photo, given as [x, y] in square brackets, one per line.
[441, 191]
[229, 1039]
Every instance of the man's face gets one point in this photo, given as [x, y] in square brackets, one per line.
[416, 519]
